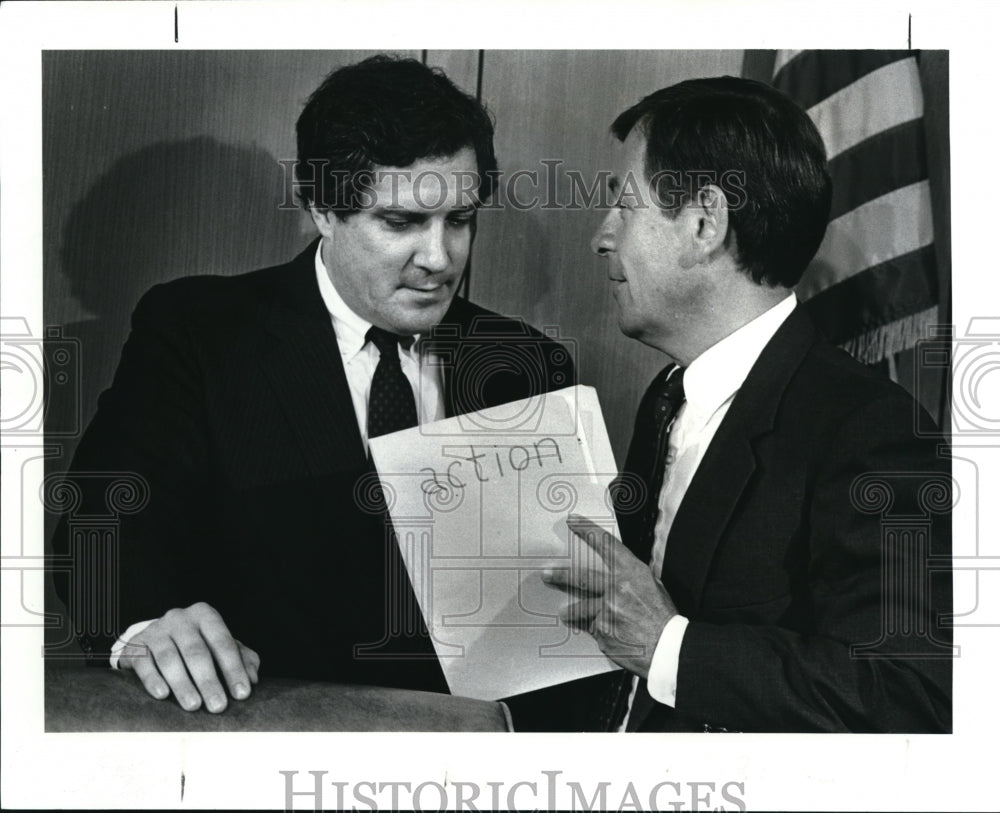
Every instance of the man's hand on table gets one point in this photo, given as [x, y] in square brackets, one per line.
[185, 652]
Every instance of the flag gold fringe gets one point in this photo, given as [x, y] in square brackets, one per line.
[883, 342]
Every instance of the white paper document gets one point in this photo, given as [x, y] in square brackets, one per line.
[479, 504]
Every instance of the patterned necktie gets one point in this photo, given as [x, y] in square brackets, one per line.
[667, 393]
[391, 406]
[657, 410]
[666, 403]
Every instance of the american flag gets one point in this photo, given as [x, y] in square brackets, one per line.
[873, 285]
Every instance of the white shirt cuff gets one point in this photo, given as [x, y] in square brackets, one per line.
[662, 682]
[129, 634]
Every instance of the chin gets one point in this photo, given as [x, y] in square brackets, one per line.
[626, 328]
[421, 321]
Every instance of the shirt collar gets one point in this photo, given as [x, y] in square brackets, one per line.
[715, 376]
[350, 328]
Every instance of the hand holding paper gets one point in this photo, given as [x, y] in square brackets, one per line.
[620, 603]
[478, 504]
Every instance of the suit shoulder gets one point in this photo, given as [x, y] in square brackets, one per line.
[210, 296]
[211, 287]
[482, 322]
[836, 390]
[834, 371]
[510, 343]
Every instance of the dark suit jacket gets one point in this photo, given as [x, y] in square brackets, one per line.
[810, 553]
[231, 401]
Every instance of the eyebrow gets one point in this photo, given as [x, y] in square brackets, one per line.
[419, 213]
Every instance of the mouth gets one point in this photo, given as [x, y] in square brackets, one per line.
[429, 291]
[617, 286]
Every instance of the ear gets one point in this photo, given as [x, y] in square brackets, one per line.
[323, 218]
[710, 211]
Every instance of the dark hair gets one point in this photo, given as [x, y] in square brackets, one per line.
[767, 153]
[385, 111]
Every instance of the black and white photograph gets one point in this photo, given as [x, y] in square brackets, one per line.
[569, 425]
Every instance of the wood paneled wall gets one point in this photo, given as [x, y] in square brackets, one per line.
[558, 106]
[159, 164]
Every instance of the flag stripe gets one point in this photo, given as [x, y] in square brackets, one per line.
[875, 167]
[884, 228]
[782, 58]
[873, 285]
[883, 99]
[814, 75]
[884, 293]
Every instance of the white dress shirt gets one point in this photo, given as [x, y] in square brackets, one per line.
[711, 382]
[360, 357]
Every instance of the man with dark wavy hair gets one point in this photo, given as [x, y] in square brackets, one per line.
[247, 402]
[758, 587]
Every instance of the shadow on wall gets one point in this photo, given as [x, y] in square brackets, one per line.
[169, 210]
[173, 209]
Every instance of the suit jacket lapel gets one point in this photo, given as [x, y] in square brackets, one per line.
[303, 363]
[729, 463]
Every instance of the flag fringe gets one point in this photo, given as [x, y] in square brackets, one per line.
[887, 340]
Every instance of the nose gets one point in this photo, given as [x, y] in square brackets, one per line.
[433, 253]
[603, 241]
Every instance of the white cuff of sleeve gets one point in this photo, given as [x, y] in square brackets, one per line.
[662, 682]
[122, 642]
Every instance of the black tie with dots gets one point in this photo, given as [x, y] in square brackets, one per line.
[391, 406]
[657, 410]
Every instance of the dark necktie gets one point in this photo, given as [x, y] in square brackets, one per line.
[391, 406]
[667, 395]
[653, 420]
[667, 400]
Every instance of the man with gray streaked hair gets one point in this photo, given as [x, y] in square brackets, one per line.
[756, 588]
